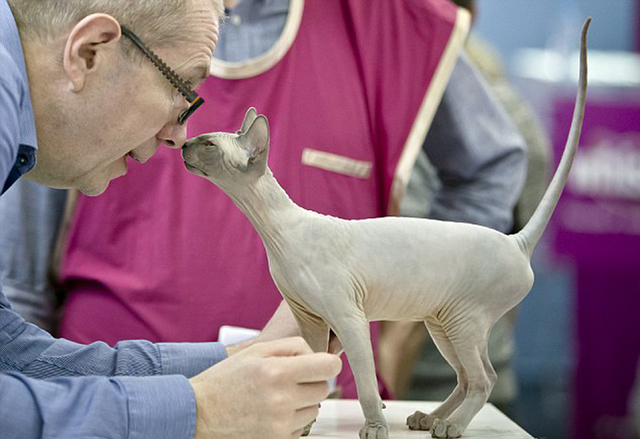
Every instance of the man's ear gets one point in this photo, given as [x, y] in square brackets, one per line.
[249, 117]
[255, 140]
[86, 46]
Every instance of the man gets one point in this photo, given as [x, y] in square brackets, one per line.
[79, 96]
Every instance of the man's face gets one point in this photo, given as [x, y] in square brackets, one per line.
[126, 113]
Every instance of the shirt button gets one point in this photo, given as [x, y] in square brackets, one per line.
[22, 159]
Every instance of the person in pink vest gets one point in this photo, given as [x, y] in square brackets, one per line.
[351, 91]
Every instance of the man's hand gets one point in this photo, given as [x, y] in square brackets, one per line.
[268, 390]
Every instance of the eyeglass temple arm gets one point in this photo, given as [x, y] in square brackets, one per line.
[190, 95]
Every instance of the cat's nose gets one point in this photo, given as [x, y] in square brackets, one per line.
[187, 154]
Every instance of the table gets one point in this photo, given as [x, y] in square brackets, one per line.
[343, 418]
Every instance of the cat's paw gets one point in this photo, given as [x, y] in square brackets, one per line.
[444, 429]
[374, 431]
[420, 421]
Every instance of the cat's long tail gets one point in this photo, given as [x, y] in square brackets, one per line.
[529, 236]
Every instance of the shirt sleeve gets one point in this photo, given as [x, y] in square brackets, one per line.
[478, 153]
[97, 407]
[31, 351]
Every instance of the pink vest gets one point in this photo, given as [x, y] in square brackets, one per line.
[349, 89]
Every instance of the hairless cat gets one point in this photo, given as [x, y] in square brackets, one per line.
[339, 275]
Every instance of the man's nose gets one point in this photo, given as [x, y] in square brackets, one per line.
[173, 135]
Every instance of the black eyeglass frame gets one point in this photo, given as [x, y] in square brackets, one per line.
[189, 94]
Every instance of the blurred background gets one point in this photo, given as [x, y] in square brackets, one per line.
[578, 331]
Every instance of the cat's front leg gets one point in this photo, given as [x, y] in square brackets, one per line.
[353, 331]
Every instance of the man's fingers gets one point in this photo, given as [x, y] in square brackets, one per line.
[285, 347]
[310, 393]
[311, 368]
[294, 355]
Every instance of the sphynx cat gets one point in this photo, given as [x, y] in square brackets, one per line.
[339, 275]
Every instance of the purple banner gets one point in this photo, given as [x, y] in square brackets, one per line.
[598, 218]
[597, 225]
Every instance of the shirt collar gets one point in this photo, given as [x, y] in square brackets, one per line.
[10, 38]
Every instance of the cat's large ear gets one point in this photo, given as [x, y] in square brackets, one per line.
[249, 117]
[255, 141]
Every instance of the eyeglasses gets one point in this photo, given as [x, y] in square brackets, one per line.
[189, 94]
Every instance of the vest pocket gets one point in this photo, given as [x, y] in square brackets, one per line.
[336, 163]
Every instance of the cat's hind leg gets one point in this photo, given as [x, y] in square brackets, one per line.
[469, 337]
[423, 421]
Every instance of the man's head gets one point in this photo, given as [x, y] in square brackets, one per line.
[97, 99]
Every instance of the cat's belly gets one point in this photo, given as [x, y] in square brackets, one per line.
[400, 304]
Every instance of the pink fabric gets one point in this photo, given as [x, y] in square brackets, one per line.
[166, 256]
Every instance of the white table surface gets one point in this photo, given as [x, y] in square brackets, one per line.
[343, 419]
